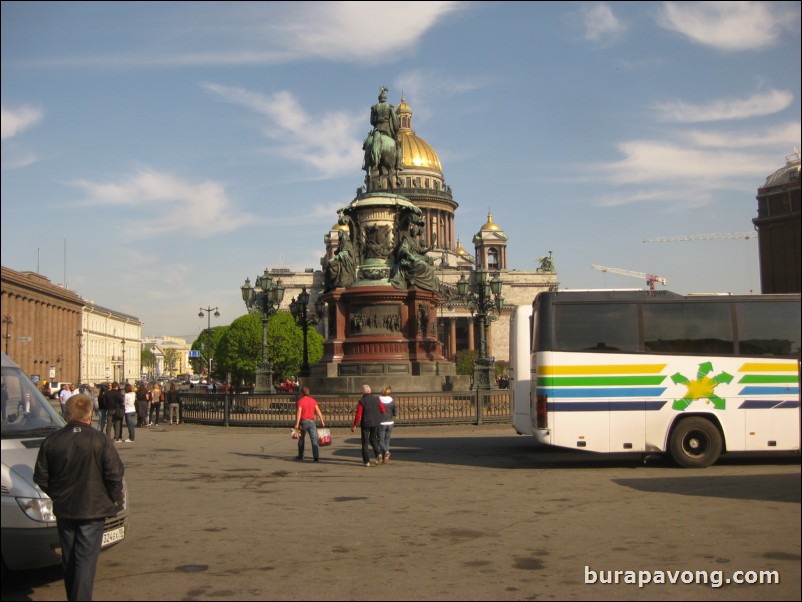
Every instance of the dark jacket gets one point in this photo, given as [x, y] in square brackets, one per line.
[115, 403]
[79, 468]
[369, 411]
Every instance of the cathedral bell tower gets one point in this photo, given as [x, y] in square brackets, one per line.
[491, 247]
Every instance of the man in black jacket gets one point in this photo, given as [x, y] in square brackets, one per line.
[79, 468]
[369, 417]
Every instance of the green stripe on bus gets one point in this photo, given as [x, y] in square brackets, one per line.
[599, 381]
[768, 378]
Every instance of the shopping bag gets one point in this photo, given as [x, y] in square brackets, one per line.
[324, 437]
[295, 434]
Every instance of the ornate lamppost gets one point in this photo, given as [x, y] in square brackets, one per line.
[122, 380]
[7, 336]
[80, 351]
[263, 299]
[300, 311]
[484, 305]
[209, 311]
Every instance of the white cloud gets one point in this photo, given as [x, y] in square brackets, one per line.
[17, 120]
[260, 33]
[730, 26]
[166, 204]
[658, 161]
[757, 105]
[782, 135]
[327, 142]
[600, 23]
[359, 31]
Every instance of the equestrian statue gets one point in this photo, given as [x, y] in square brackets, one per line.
[383, 155]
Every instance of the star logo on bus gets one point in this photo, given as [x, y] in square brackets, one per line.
[701, 388]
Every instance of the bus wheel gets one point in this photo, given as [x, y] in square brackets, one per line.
[695, 443]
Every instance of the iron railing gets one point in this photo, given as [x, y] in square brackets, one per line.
[453, 407]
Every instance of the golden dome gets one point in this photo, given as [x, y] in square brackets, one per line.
[339, 226]
[490, 225]
[416, 151]
[460, 249]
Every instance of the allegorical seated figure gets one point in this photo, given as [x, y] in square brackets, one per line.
[340, 270]
[413, 267]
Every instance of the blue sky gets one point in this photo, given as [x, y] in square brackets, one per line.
[175, 148]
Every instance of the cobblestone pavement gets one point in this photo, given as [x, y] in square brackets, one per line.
[462, 513]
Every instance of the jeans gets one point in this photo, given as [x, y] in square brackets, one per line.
[104, 421]
[308, 426]
[370, 434]
[155, 409]
[130, 420]
[80, 547]
[385, 432]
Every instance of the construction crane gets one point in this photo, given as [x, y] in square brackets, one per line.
[650, 278]
[722, 236]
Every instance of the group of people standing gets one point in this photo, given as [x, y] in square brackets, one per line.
[138, 408]
[375, 416]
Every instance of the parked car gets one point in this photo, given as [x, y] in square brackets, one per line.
[29, 534]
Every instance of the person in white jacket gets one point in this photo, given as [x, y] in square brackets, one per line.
[386, 428]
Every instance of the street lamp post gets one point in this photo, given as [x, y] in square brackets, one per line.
[7, 336]
[122, 342]
[300, 311]
[80, 351]
[485, 304]
[264, 299]
[209, 311]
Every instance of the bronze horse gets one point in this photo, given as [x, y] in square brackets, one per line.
[380, 160]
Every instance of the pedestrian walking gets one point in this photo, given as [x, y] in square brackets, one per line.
[116, 407]
[368, 417]
[173, 401]
[82, 473]
[308, 409]
[386, 426]
[130, 412]
[142, 405]
[156, 399]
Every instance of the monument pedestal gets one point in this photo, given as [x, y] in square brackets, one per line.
[382, 336]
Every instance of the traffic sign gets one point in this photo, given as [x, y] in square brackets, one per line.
[194, 353]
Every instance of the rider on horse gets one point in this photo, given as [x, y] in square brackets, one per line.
[384, 120]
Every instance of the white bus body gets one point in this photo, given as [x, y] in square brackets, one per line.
[691, 376]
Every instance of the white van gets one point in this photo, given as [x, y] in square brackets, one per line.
[29, 533]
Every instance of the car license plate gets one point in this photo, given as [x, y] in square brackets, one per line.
[113, 536]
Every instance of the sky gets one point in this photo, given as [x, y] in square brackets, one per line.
[155, 154]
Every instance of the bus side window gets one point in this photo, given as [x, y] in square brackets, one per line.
[769, 328]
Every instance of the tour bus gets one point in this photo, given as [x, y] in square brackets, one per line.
[656, 372]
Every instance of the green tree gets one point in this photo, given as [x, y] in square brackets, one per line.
[465, 360]
[170, 360]
[206, 343]
[240, 349]
[148, 360]
[285, 342]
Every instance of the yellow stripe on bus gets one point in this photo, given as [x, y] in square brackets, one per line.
[757, 367]
[609, 369]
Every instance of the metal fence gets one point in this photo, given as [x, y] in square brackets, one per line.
[453, 407]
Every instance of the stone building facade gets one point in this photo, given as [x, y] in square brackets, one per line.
[55, 335]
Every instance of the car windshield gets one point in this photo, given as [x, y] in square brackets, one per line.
[25, 411]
